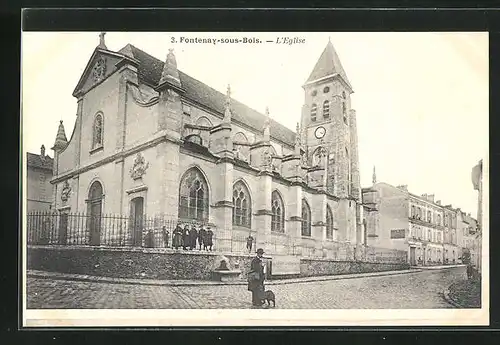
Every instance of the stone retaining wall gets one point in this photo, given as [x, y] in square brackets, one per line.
[168, 264]
[324, 267]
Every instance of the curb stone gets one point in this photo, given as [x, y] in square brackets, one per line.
[89, 278]
[447, 298]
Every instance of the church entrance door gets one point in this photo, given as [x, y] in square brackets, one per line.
[95, 214]
[137, 212]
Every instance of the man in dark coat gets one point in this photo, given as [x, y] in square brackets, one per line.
[185, 237]
[256, 279]
[166, 235]
[209, 239]
[249, 242]
[193, 235]
[177, 238]
[201, 237]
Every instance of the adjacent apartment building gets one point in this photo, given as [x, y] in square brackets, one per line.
[39, 174]
[477, 182]
[398, 219]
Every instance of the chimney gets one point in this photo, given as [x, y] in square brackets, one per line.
[403, 187]
[430, 197]
[438, 202]
[424, 196]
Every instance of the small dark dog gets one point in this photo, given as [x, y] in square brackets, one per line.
[269, 296]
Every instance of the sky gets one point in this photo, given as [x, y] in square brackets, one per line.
[421, 98]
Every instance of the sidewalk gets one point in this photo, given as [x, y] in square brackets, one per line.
[89, 278]
[439, 267]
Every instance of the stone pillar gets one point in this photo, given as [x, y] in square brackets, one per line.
[354, 161]
[128, 74]
[223, 206]
[294, 216]
[318, 218]
[78, 132]
[263, 213]
[342, 220]
[117, 182]
[164, 198]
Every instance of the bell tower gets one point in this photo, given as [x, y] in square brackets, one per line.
[327, 123]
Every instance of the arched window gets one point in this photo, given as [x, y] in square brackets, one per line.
[314, 110]
[344, 112]
[429, 235]
[343, 95]
[240, 138]
[429, 216]
[326, 109]
[413, 211]
[242, 211]
[306, 219]
[193, 196]
[278, 212]
[329, 222]
[195, 138]
[241, 151]
[203, 122]
[97, 131]
[204, 133]
[319, 156]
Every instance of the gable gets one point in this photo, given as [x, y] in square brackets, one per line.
[101, 65]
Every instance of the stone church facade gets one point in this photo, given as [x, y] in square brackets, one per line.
[150, 139]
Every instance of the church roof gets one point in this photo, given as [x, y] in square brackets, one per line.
[328, 64]
[150, 70]
[36, 161]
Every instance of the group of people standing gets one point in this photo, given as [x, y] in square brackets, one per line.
[192, 238]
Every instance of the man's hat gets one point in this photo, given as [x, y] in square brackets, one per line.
[260, 251]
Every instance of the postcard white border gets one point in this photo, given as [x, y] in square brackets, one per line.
[269, 317]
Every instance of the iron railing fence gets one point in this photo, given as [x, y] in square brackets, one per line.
[51, 228]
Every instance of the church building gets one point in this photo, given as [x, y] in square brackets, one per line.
[151, 140]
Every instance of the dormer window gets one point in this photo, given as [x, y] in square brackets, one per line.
[326, 109]
[314, 110]
[326, 89]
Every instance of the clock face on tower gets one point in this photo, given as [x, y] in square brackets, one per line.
[320, 132]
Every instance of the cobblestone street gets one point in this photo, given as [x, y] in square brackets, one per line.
[404, 291]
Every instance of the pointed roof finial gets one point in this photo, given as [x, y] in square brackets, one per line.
[61, 140]
[298, 141]
[374, 176]
[227, 108]
[170, 74]
[102, 43]
[228, 94]
[267, 130]
[42, 151]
